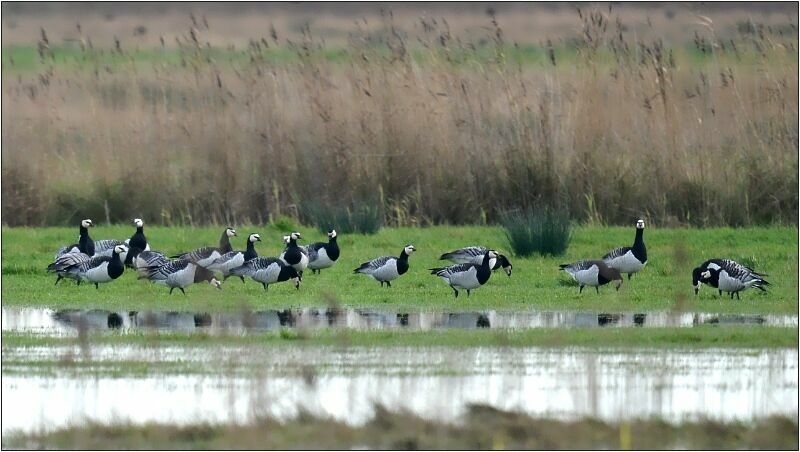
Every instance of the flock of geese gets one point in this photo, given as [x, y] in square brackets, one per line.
[103, 261]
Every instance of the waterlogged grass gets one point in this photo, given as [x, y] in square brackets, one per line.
[536, 283]
[482, 427]
[701, 337]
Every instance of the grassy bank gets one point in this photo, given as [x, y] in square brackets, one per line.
[482, 427]
[536, 282]
[698, 337]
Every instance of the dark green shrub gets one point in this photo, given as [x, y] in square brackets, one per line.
[359, 217]
[541, 230]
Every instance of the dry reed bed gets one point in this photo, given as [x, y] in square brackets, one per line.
[428, 130]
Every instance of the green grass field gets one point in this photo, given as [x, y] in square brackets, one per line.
[536, 283]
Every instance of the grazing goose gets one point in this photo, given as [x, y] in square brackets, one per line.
[467, 276]
[179, 273]
[592, 273]
[629, 259]
[268, 270]
[474, 255]
[323, 255]
[727, 275]
[208, 254]
[228, 261]
[64, 264]
[98, 269]
[387, 268]
[85, 243]
[294, 254]
[149, 259]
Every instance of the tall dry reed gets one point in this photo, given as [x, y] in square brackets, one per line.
[435, 129]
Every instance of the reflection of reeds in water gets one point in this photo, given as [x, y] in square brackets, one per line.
[446, 128]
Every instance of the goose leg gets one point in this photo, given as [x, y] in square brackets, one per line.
[96, 286]
[388, 284]
[59, 279]
[455, 292]
[182, 291]
[737, 295]
[242, 279]
[629, 276]
[720, 292]
[171, 289]
[468, 290]
[79, 282]
[265, 286]
[597, 288]
[581, 289]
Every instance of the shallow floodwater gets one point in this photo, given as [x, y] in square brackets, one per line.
[434, 382]
[50, 321]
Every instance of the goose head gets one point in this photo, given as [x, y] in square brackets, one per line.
[216, 283]
[640, 224]
[699, 276]
[295, 236]
[230, 232]
[332, 234]
[409, 250]
[87, 223]
[503, 261]
[254, 238]
[120, 249]
[138, 222]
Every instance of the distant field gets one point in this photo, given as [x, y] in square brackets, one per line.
[536, 283]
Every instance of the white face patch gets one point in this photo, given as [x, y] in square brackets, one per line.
[706, 274]
[86, 223]
[332, 234]
[286, 239]
[119, 249]
[409, 249]
[295, 235]
[492, 254]
[216, 283]
[640, 224]
[255, 238]
[231, 232]
[138, 222]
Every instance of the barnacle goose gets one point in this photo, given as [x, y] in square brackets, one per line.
[629, 259]
[208, 254]
[387, 268]
[467, 276]
[592, 273]
[85, 243]
[474, 255]
[64, 263]
[98, 269]
[149, 259]
[178, 273]
[294, 255]
[233, 259]
[727, 275]
[323, 255]
[268, 270]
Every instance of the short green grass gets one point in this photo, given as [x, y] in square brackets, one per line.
[535, 284]
[698, 337]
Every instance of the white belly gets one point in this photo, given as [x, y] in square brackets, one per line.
[728, 284]
[587, 277]
[465, 280]
[386, 273]
[182, 278]
[99, 274]
[322, 260]
[627, 263]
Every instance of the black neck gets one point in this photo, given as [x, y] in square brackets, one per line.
[638, 249]
[250, 253]
[140, 229]
[85, 243]
[332, 248]
[224, 243]
[403, 255]
[115, 267]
